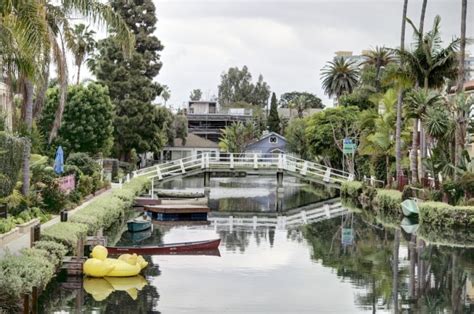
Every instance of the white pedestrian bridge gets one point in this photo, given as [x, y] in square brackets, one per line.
[259, 164]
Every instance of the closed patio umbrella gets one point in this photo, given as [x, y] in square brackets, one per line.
[59, 161]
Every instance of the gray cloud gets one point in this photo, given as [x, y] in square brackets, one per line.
[286, 41]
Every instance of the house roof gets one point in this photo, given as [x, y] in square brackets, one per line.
[264, 136]
[195, 141]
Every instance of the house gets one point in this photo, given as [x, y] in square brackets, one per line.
[207, 120]
[195, 145]
[270, 143]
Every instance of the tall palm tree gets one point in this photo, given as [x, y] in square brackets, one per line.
[378, 57]
[431, 65]
[417, 103]
[422, 16]
[340, 76]
[398, 133]
[81, 44]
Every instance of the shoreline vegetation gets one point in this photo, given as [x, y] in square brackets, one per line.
[36, 266]
[431, 213]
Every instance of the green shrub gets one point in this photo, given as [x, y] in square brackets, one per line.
[445, 215]
[86, 185]
[66, 233]
[7, 224]
[388, 201]
[57, 250]
[73, 170]
[20, 273]
[84, 162]
[351, 189]
[11, 156]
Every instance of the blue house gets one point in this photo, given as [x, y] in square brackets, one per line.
[270, 143]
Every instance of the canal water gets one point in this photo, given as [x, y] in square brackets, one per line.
[356, 262]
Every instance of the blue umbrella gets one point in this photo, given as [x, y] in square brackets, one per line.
[59, 161]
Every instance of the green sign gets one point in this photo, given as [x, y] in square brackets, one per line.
[348, 146]
[347, 236]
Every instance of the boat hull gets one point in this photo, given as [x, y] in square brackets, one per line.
[171, 248]
[137, 226]
[409, 208]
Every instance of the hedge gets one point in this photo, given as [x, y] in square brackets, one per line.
[388, 201]
[445, 215]
[66, 233]
[34, 267]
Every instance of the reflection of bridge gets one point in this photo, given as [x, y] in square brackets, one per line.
[249, 163]
[294, 218]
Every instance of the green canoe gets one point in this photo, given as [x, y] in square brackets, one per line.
[409, 208]
[409, 226]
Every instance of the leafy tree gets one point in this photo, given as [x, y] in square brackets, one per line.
[300, 103]
[360, 98]
[273, 121]
[181, 127]
[237, 136]
[312, 100]
[296, 138]
[340, 76]
[81, 44]
[236, 85]
[196, 95]
[326, 130]
[131, 81]
[87, 122]
[11, 153]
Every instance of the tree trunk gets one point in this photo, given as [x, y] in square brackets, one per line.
[414, 153]
[422, 18]
[40, 94]
[62, 97]
[398, 134]
[78, 74]
[459, 142]
[28, 109]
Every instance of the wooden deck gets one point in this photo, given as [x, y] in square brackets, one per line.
[177, 209]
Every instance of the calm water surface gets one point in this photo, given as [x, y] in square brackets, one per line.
[340, 265]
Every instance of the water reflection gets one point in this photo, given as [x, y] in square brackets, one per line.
[101, 288]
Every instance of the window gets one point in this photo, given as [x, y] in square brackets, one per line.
[273, 139]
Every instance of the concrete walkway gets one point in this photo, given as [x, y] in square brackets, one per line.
[23, 241]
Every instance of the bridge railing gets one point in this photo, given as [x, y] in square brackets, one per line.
[247, 161]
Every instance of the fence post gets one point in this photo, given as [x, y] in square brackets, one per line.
[152, 190]
[158, 172]
[255, 161]
[181, 164]
[35, 233]
[304, 169]
[203, 161]
[34, 300]
[327, 175]
[26, 303]
[231, 161]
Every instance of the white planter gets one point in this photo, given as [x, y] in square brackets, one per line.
[25, 227]
[10, 235]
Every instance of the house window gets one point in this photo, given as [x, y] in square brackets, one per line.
[273, 139]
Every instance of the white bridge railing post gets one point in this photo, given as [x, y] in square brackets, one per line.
[183, 170]
[304, 169]
[152, 190]
[255, 161]
[327, 175]
[158, 172]
[231, 161]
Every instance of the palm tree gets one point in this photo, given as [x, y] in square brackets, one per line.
[378, 57]
[422, 16]
[81, 44]
[398, 133]
[340, 76]
[417, 103]
[165, 93]
[431, 65]
[300, 103]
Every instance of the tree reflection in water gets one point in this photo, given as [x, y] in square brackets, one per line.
[397, 273]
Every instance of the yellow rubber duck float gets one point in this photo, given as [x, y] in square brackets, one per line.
[101, 288]
[126, 265]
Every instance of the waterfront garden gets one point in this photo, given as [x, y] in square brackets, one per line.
[406, 111]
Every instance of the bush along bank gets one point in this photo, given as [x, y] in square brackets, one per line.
[36, 266]
[444, 215]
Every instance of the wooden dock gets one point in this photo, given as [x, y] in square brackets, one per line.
[73, 265]
[177, 209]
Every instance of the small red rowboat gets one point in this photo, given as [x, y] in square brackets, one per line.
[169, 248]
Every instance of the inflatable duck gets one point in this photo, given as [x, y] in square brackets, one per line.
[126, 265]
[101, 288]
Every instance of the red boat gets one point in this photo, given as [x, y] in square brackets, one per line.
[170, 248]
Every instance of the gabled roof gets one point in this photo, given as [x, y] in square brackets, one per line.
[271, 134]
[195, 141]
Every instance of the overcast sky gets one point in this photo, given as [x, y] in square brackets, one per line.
[286, 41]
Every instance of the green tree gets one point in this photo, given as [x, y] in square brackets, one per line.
[87, 122]
[360, 98]
[196, 95]
[340, 76]
[273, 120]
[181, 127]
[236, 86]
[237, 136]
[81, 44]
[295, 135]
[131, 81]
[165, 93]
[312, 100]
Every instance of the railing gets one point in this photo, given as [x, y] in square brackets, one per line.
[282, 162]
[320, 213]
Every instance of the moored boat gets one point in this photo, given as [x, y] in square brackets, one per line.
[409, 208]
[137, 225]
[169, 248]
[409, 226]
